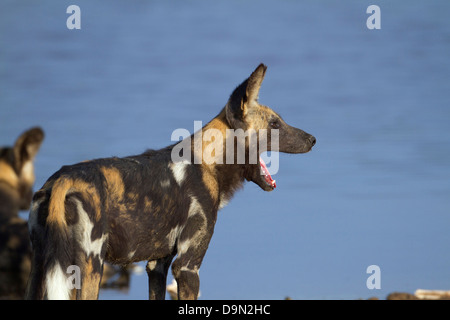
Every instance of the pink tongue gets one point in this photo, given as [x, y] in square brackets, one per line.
[267, 175]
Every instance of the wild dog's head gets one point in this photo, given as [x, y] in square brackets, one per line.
[17, 169]
[243, 111]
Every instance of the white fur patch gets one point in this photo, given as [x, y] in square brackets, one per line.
[165, 183]
[57, 284]
[172, 236]
[195, 270]
[194, 209]
[155, 266]
[222, 202]
[131, 254]
[184, 246]
[151, 265]
[84, 230]
[179, 170]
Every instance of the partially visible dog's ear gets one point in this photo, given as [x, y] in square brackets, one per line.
[245, 96]
[27, 146]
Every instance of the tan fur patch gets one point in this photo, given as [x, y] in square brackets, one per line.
[27, 173]
[91, 192]
[73, 294]
[8, 175]
[60, 189]
[114, 182]
[91, 282]
[132, 199]
[211, 183]
[148, 203]
[219, 123]
[115, 189]
[56, 207]
[258, 118]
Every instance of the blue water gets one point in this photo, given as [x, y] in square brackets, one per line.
[375, 190]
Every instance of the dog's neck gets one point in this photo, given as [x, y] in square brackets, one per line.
[229, 173]
[222, 176]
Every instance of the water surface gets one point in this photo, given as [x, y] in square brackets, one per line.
[374, 190]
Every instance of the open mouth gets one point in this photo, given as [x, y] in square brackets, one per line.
[266, 173]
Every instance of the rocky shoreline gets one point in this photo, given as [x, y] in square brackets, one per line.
[419, 294]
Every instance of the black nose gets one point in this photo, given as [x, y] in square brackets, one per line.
[312, 140]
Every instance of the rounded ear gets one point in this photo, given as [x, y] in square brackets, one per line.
[27, 146]
[244, 97]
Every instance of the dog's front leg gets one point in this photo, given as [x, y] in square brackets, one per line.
[191, 248]
[157, 277]
[185, 271]
[188, 284]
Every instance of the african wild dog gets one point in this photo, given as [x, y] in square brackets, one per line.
[16, 183]
[146, 207]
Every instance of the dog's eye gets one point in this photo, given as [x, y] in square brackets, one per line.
[274, 124]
